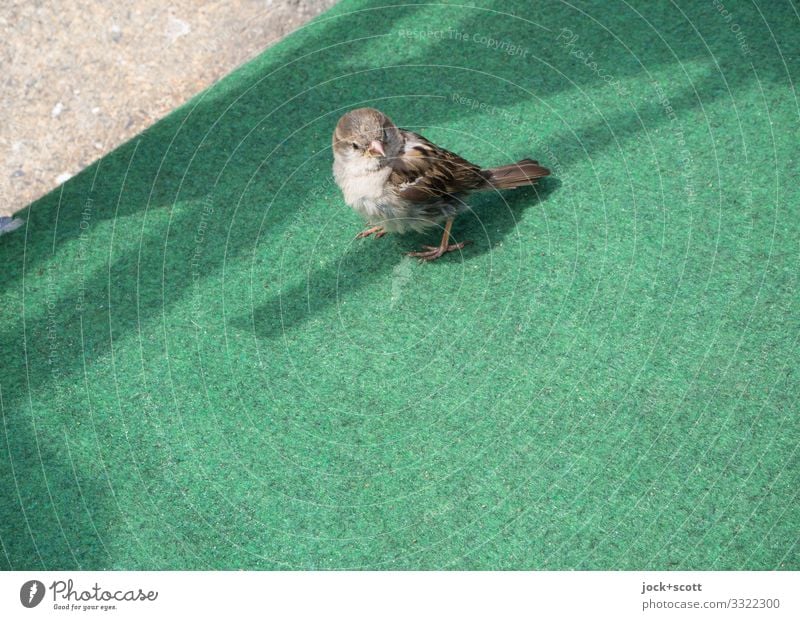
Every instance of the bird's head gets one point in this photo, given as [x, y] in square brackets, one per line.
[366, 138]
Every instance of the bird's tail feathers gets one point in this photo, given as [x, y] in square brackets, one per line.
[524, 172]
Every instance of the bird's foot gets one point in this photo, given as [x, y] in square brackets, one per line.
[378, 231]
[432, 252]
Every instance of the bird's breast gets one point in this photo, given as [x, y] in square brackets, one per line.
[363, 191]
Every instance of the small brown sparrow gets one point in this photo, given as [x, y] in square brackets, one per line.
[399, 181]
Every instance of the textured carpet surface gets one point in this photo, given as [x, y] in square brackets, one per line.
[201, 368]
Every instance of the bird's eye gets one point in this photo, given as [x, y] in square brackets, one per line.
[355, 145]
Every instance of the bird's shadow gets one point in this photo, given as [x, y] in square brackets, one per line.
[491, 219]
[492, 216]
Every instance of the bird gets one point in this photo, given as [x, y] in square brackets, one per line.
[399, 181]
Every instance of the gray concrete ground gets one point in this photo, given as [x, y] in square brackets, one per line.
[81, 77]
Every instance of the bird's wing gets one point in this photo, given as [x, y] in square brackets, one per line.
[424, 172]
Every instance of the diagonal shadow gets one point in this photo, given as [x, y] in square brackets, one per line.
[488, 224]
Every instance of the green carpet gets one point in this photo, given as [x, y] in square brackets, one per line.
[202, 369]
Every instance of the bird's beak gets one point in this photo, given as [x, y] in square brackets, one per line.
[376, 148]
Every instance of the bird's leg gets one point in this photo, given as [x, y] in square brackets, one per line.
[432, 252]
[378, 231]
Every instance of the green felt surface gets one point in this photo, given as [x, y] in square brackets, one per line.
[203, 369]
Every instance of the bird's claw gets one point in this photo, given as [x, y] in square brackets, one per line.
[378, 231]
[432, 252]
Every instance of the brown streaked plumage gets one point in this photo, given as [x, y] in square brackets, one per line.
[398, 180]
